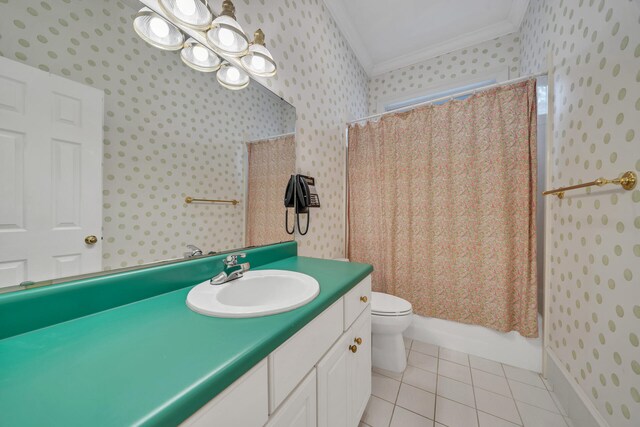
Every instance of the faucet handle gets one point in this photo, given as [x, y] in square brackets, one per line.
[195, 251]
[232, 260]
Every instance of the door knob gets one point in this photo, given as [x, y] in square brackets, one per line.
[358, 341]
[91, 240]
[353, 348]
[363, 299]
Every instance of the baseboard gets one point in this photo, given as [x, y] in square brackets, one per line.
[573, 398]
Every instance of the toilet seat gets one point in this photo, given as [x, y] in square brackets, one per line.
[389, 305]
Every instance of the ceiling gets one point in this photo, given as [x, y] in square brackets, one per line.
[387, 35]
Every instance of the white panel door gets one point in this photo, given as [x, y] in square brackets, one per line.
[50, 175]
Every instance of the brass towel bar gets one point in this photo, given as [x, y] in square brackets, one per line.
[190, 199]
[627, 181]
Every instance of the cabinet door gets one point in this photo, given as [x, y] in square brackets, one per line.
[359, 366]
[299, 410]
[333, 382]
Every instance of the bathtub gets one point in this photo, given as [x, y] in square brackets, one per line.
[510, 348]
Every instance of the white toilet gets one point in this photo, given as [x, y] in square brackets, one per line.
[390, 317]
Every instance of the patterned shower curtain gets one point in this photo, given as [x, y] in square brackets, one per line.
[271, 163]
[442, 203]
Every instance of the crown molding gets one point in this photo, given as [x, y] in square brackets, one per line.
[342, 18]
[339, 13]
[517, 12]
[466, 40]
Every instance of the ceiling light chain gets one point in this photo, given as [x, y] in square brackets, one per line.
[224, 36]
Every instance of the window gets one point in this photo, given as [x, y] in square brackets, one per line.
[543, 92]
[408, 103]
[419, 100]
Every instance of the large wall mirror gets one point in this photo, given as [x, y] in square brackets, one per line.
[103, 139]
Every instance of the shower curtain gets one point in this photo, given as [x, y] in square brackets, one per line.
[271, 163]
[442, 203]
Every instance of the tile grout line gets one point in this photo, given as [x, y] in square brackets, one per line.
[392, 412]
[473, 389]
[555, 400]
[414, 412]
[395, 403]
[473, 386]
[512, 396]
[435, 401]
[559, 411]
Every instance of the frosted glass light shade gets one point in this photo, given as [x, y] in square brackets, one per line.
[156, 31]
[199, 57]
[192, 13]
[259, 61]
[232, 77]
[227, 36]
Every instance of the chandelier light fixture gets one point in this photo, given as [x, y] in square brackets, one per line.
[232, 77]
[258, 59]
[156, 31]
[207, 42]
[226, 34]
[191, 13]
[199, 57]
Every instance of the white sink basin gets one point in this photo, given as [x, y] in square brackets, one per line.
[257, 293]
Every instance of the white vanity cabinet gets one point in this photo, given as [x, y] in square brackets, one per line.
[344, 376]
[290, 363]
[360, 368]
[321, 376]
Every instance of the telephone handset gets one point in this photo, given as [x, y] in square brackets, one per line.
[300, 194]
[289, 202]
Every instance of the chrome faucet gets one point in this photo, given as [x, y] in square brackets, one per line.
[231, 261]
[195, 251]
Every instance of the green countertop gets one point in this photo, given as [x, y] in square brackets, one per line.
[150, 362]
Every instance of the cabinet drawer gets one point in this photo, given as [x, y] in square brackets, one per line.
[229, 408]
[291, 362]
[356, 300]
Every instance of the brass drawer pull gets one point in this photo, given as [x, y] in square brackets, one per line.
[358, 341]
[353, 348]
[364, 299]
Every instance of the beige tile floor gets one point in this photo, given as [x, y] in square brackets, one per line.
[447, 388]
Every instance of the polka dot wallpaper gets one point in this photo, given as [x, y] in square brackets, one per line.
[499, 55]
[165, 139]
[320, 75]
[593, 235]
[168, 129]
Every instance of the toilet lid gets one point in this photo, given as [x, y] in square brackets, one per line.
[385, 304]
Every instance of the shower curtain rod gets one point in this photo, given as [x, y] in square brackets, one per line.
[271, 137]
[455, 95]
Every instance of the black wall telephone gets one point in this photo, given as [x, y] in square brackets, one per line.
[300, 194]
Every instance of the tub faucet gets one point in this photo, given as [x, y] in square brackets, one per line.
[195, 251]
[231, 261]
